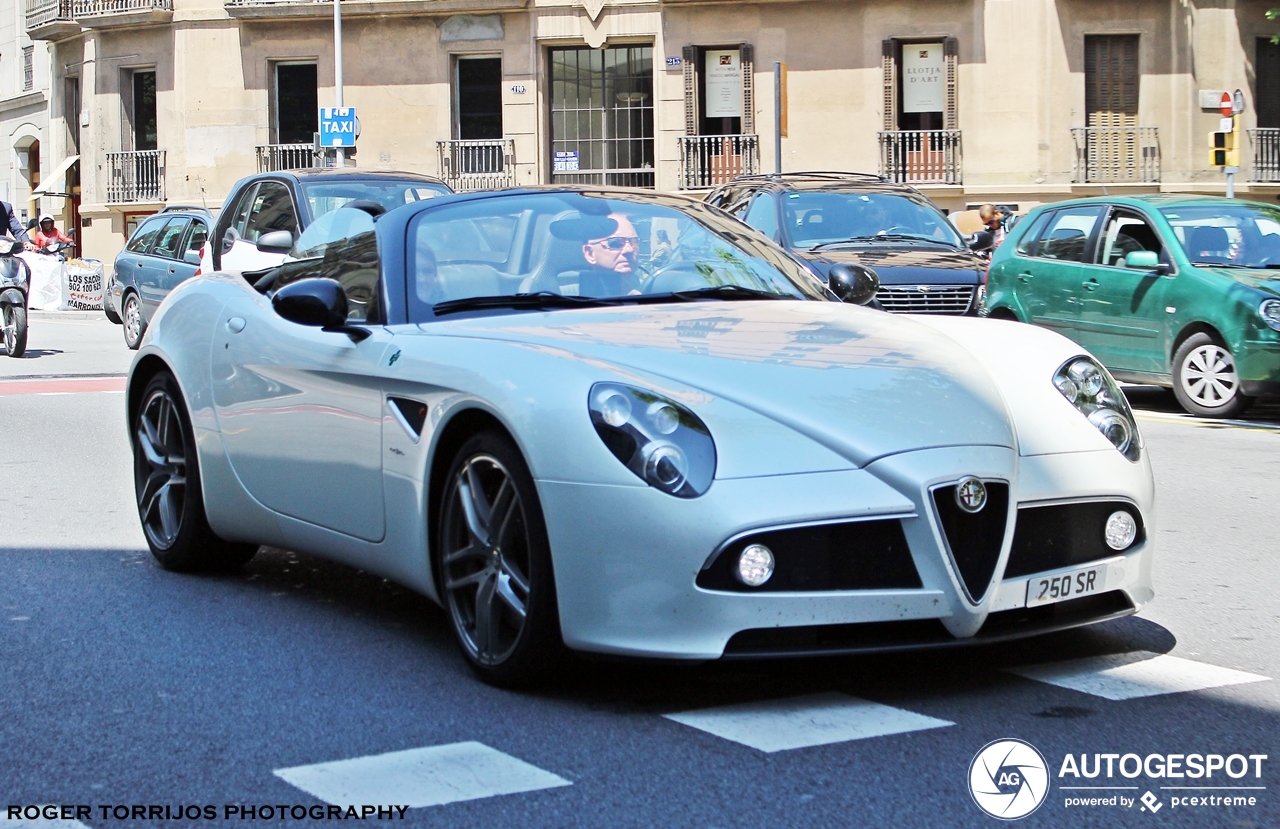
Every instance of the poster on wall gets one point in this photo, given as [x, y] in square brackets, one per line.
[724, 83]
[923, 89]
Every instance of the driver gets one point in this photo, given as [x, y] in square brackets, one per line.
[613, 260]
[49, 233]
[15, 227]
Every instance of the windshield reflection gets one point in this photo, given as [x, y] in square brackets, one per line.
[824, 218]
[1237, 235]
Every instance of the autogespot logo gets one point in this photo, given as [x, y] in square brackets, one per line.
[1008, 779]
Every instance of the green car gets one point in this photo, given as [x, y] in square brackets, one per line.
[1180, 291]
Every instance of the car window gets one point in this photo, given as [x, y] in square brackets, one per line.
[1027, 243]
[824, 217]
[240, 216]
[339, 245]
[271, 209]
[145, 235]
[1245, 235]
[170, 239]
[1068, 233]
[763, 215]
[196, 239]
[323, 197]
[1125, 233]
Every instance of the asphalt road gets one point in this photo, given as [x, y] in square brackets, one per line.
[124, 685]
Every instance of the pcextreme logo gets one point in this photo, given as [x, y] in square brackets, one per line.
[1008, 779]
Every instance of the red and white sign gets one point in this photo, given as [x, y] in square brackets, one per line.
[1227, 108]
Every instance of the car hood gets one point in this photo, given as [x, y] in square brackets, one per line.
[1264, 280]
[904, 264]
[862, 383]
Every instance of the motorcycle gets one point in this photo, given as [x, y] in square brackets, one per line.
[15, 282]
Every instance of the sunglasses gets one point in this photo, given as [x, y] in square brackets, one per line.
[619, 242]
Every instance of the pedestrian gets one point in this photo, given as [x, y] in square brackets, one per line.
[992, 220]
[9, 220]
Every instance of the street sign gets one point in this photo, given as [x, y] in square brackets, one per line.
[1227, 105]
[1237, 102]
[338, 126]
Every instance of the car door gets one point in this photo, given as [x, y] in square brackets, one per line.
[270, 207]
[300, 409]
[763, 215]
[1050, 278]
[1121, 309]
[132, 260]
[154, 274]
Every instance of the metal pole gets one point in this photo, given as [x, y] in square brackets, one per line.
[777, 117]
[1231, 183]
[339, 154]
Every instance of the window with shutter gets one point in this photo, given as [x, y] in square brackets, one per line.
[1111, 80]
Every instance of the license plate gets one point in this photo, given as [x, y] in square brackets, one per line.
[1071, 585]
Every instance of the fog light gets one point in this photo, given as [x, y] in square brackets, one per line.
[1121, 530]
[755, 565]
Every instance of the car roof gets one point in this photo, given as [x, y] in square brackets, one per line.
[348, 174]
[1154, 200]
[825, 180]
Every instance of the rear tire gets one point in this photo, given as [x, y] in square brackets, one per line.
[134, 324]
[1205, 380]
[167, 485]
[14, 319]
[493, 564]
[111, 315]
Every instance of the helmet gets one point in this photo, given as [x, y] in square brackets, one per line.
[45, 217]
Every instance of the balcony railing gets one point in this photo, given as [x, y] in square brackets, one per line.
[710, 160]
[1116, 155]
[45, 12]
[104, 8]
[478, 164]
[921, 156]
[1265, 142]
[135, 176]
[272, 157]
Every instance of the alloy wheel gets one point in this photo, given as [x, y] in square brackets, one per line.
[10, 329]
[161, 467]
[485, 561]
[1209, 376]
[132, 320]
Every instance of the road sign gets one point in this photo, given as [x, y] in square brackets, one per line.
[1227, 105]
[1237, 102]
[338, 126]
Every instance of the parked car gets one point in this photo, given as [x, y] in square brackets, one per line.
[1178, 291]
[828, 219]
[163, 252]
[275, 204]
[618, 421]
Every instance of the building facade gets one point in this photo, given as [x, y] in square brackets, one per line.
[1011, 101]
[24, 114]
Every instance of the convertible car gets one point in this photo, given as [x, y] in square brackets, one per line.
[611, 421]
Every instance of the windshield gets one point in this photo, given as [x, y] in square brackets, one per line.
[562, 248]
[323, 196]
[1244, 235]
[822, 218]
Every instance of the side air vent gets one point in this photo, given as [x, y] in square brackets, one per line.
[411, 414]
[1063, 535]
[974, 538]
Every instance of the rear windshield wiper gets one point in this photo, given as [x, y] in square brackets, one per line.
[883, 237]
[538, 299]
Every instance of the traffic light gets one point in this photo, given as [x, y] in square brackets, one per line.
[1224, 150]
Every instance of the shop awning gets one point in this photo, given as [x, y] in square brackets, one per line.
[45, 188]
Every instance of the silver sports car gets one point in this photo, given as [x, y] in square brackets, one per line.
[589, 419]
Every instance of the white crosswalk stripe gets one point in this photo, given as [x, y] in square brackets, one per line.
[800, 722]
[1136, 674]
[421, 777]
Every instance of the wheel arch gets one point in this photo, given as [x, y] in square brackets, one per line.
[1189, 330]
[1004, 312]
[148, 366]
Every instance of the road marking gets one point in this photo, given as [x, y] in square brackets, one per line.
[1212, 423]
[419, 777]
[62, 385]
[40, 822]
[800, 722]
[1122, 676]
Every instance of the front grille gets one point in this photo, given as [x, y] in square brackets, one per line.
[925, 299]
[1063, 535]
[974, 539]
[851, 555]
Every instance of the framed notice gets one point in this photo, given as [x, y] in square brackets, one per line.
[923, 78]
[723, 76]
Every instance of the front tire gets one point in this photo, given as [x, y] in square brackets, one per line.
[167, 485]
[134, 324]
[1205, 380]
[493, 562]
[14, 319]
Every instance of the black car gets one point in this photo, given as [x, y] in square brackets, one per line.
[828, 219]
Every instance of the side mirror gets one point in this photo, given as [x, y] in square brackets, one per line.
[1147, 260]
[317, 302]
[982, 240]
[855, 284]
[277, 241]
[17, 247]
[191, 257]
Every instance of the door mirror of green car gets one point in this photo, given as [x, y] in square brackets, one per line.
[1147, 260]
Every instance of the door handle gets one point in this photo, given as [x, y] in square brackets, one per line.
[139, 264]
[1091, 285]
[235, 325]
[1024, 277]
[172, 270]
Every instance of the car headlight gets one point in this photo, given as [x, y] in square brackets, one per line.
[1270, 312]
[662, 442]
[1089, 388]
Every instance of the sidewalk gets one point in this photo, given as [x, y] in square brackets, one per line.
[69, 343]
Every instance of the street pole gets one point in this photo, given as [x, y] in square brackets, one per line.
[339, 153]
[777, 117]
[1231, 182]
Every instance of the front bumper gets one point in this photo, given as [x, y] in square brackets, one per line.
[627, 559]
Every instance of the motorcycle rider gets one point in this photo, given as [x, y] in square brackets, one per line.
[49, 233]
[7, 218]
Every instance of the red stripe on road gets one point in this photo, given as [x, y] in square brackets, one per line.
[62, 385]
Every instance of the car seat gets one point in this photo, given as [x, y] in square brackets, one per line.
[1209, 244]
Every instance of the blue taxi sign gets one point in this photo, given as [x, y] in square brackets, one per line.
[338, 126]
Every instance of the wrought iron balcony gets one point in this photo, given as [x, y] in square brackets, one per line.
[272, 157]
[50, 19]
[1116, 155]
[477, 164]
[135, 176]
[921, 156]
[707, 161]
[1265, 142]
[102, 14]
[270, 9]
